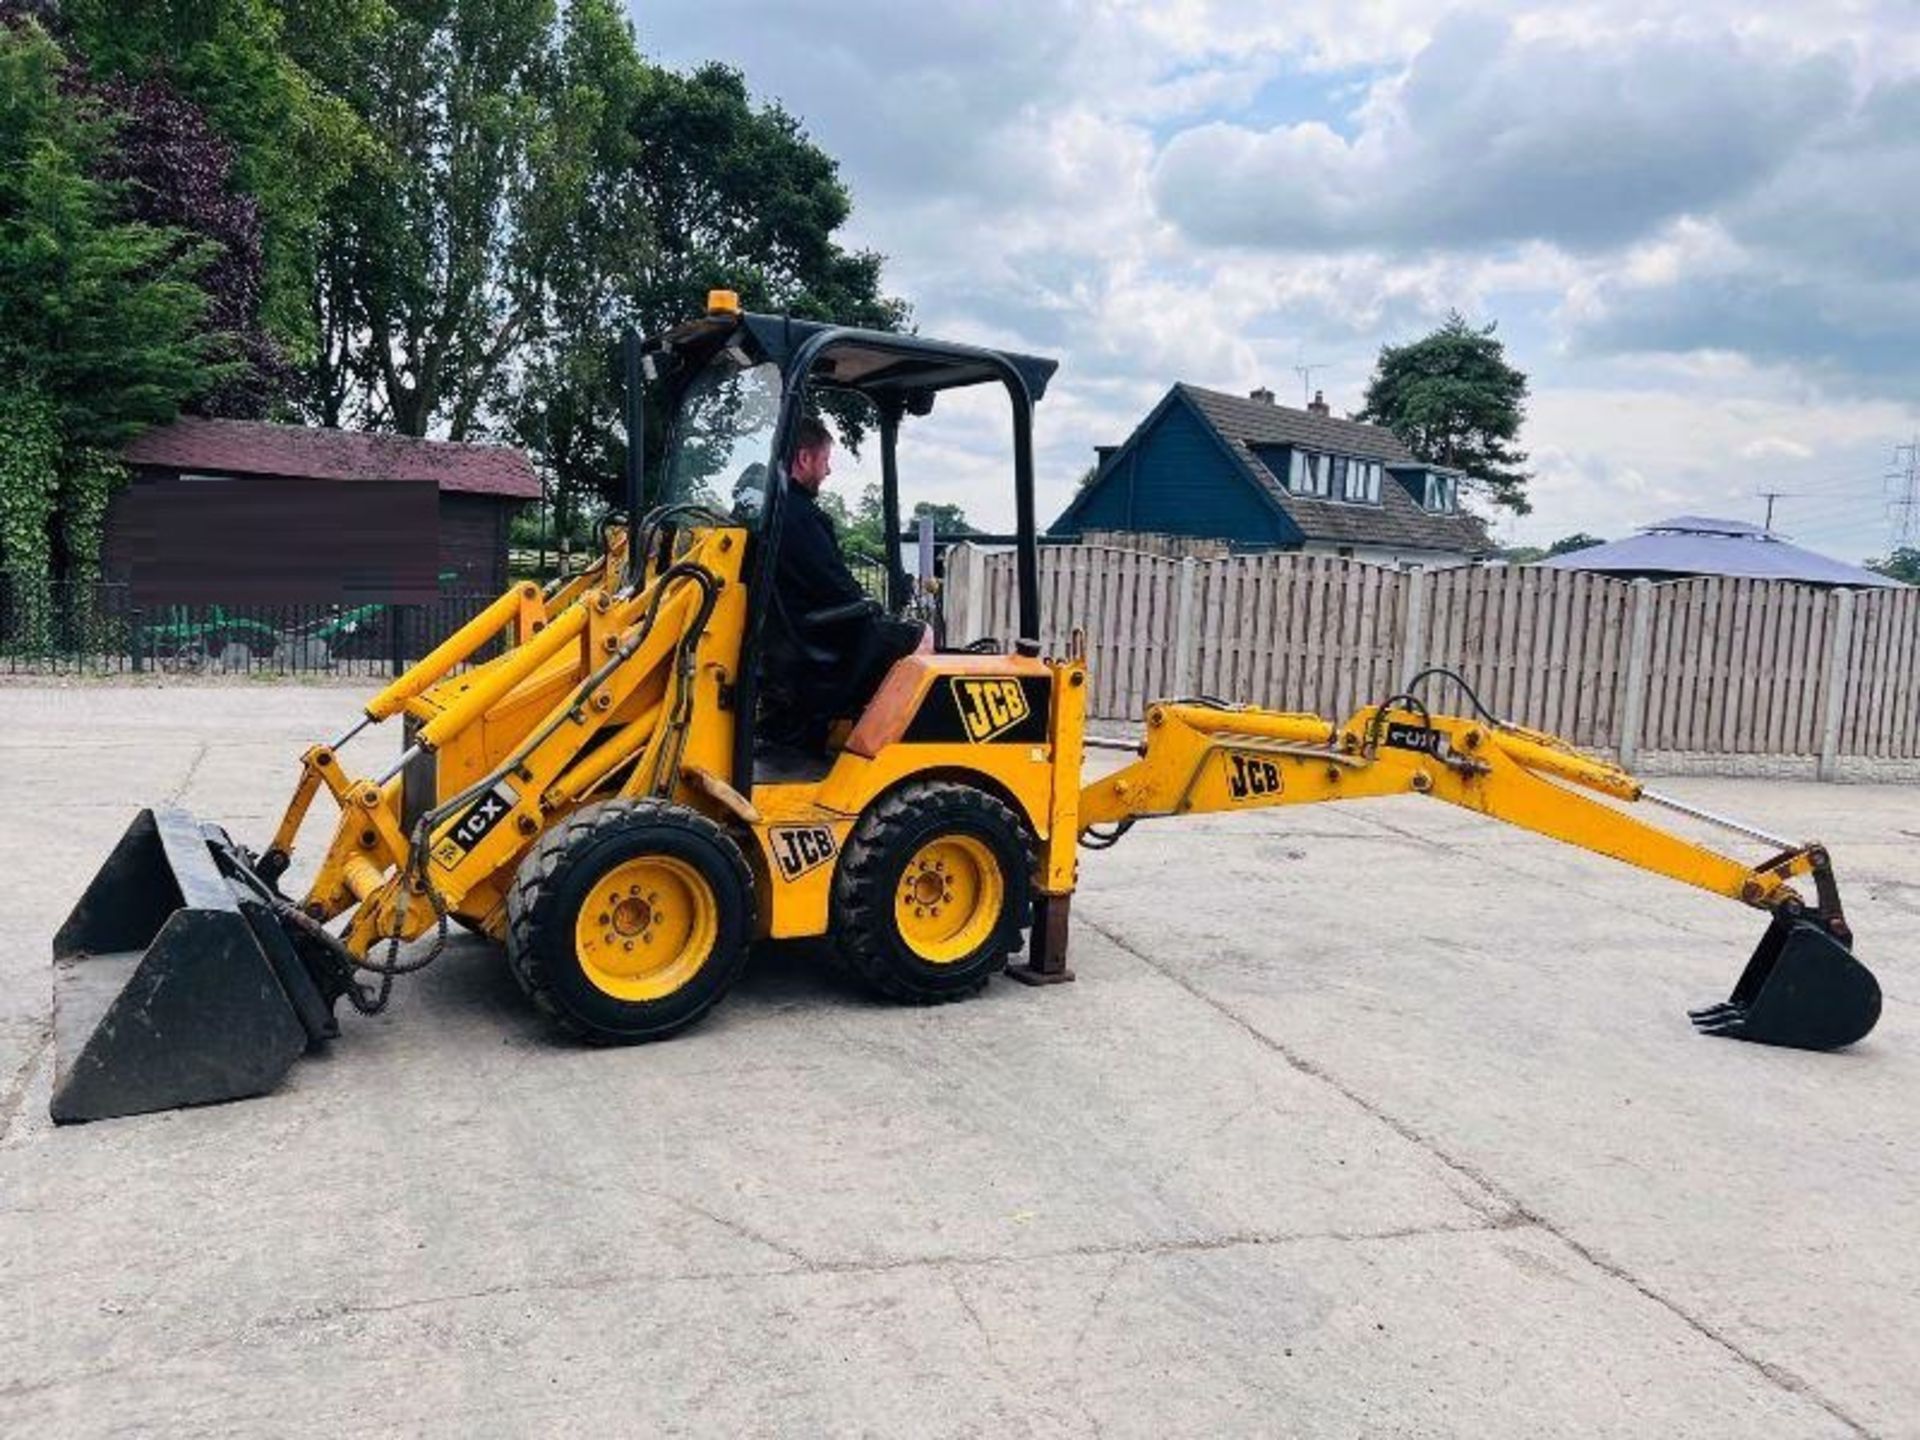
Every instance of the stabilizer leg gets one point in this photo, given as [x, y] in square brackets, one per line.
[1046, 962]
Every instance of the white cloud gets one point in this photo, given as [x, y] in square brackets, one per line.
[1492, 138]
[1775, 447]
[1697, 229]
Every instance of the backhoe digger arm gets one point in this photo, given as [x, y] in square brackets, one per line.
[1201, 758]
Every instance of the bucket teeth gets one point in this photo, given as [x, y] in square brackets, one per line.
[1727, 1020]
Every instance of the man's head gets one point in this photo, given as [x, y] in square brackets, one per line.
[812, 458]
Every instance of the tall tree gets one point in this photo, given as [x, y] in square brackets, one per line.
[565, 406]
[541, 186]
[1453, 400]
[174, 173]
[436, 259]
[740, 198]
[295, 146]
[100, 316]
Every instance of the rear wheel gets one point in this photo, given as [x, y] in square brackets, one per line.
[931, 892]
[630, 920]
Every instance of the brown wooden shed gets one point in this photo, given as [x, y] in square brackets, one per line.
[252, 513]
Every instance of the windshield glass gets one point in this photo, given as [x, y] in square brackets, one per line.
[723, 436]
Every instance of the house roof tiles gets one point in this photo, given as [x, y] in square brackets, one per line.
[1398, 520]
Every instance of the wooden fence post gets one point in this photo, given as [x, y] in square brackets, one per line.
[1413, 638]
[1186, 648]
[966, 594]
[1840, 642]
[1633, 704]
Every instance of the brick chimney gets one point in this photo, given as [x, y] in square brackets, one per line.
[1263, 395]
[1318, 405]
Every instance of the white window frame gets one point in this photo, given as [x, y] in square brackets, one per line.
[1307, 473]
[1442, 493]
[1362, 483]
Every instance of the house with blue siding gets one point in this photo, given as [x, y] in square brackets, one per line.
[1263, 476]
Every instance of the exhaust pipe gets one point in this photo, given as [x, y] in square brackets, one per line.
[173, 981]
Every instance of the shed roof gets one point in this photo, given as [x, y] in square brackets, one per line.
[1701, 545]
[258, 447]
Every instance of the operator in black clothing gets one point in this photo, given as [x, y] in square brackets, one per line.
[830, 664]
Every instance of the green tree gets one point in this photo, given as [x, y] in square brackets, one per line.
[566, 407]
[296, 146]
[740, 198]
[539, 187]
[1579, 540]
[432, 261]
[100, 316]
[1453, 400]
[1902, 564]
[864, 528]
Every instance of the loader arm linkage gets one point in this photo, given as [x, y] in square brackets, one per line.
[1200, 757]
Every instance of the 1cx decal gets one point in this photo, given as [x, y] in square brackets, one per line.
[1251, 777]
[476, 824]
[800, 848]
[989, 706]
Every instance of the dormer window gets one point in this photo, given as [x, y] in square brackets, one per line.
[1334, 477]
[1443, 493]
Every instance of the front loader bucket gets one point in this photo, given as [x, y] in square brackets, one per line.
[1801, 988]
[173, 983]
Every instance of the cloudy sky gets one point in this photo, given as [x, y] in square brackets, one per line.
[1697, 225]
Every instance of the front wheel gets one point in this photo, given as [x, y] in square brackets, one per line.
[931, 892]
[630, 920]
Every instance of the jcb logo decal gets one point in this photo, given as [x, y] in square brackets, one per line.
[988, 707]
[474, 826]
[1250, 777]
[800, 848]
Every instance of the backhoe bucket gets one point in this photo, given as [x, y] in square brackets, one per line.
[1801, 988]
[173, 982]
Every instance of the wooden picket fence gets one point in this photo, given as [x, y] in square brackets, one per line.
[1706, 666]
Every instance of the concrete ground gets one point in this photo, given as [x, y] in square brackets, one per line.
[1369, 1120]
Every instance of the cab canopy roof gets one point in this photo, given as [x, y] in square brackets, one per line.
[874, 363]
[1700, 545]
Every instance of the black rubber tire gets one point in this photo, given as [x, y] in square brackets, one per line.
[557, 876]
[866, 940]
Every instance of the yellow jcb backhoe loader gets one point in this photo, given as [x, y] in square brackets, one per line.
[593, 795]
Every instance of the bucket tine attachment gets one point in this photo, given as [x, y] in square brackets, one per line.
[173, 981]
[1802, 988]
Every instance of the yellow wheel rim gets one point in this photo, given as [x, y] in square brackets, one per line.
[948, 899]
[647, 927]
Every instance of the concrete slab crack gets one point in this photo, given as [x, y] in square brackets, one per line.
[739, 1230]
[200, 754]
[14, 1097]
[1517, 1212]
